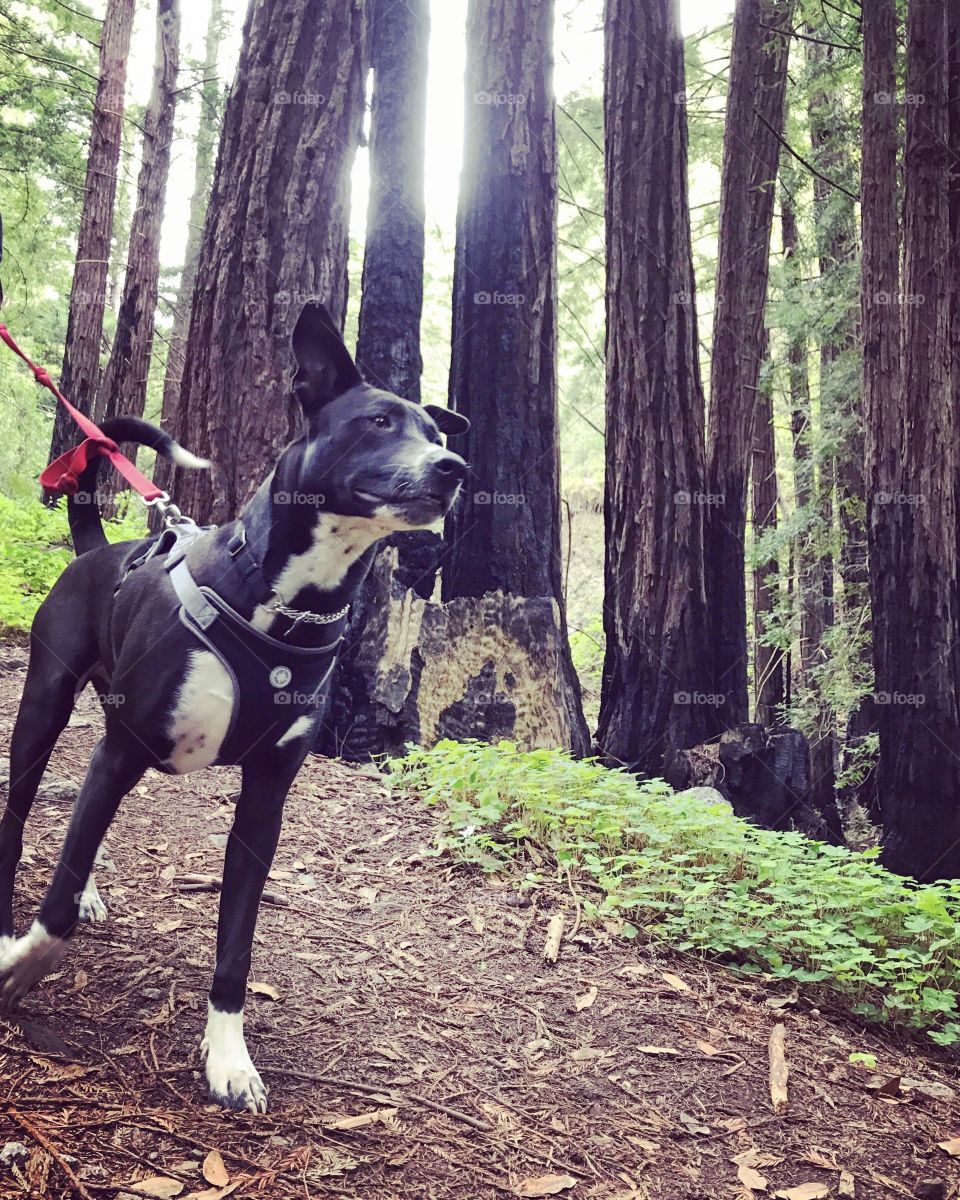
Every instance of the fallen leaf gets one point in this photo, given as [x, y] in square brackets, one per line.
[678, 984]
[586, 1000]
[263, 989]
[806, 1191]
[545, 1185]
[952, 1146]
[358, 1122]
[656, 1050]
[846, 1187]
[782, 1001]
[80, 981]
[168, 872]
[936, 1091]
[214, 1170]
[585, 1053]
[884, 1085]
[707, 1048]
[816, 1159]
[751, 1178]
[158, 1186]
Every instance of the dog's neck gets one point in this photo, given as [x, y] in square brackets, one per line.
[314, 560]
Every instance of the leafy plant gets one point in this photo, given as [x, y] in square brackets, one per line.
[694, 875]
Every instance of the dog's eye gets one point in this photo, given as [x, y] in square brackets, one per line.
[381, 421]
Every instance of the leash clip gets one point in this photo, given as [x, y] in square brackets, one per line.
[169, 513]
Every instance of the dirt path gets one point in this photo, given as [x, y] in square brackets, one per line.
[418, 993]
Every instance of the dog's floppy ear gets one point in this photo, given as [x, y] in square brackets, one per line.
[325, 369]
[447, 420]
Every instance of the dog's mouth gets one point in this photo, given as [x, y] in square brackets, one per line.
[406, 500]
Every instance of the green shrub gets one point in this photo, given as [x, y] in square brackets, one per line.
[698, 877]
[35, 547]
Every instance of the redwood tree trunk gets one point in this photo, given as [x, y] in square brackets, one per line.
[754, 117]
[123, 389]
[917, 660]
[81, 357]
[211, 101]
[767, 660]
[505, 535]
[657, 669]
[275, 235]
[388, 344]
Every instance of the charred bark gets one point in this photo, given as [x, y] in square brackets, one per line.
[275, 235]
[505, 535]
[754, 119]
[917, 653]
[80, 373]
[656, 678]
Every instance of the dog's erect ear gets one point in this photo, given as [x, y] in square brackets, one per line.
[447, 420]
[325, 369]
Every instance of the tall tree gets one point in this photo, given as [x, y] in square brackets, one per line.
[506, 535]
[657, 663]
[211, 107]
[275, 234]
[751, 151]
[123, 389]
[80, 373]
[388, 344]
[914, 533]
[767, 659]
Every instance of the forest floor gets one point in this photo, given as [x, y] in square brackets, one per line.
[415, 1041]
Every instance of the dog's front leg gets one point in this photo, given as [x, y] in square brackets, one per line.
[232, 1078]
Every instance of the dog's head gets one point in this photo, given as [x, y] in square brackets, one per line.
[367, 452]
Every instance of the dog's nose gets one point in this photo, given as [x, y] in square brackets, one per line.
[449, 469]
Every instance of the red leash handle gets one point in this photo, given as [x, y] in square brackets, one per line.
[62, 475]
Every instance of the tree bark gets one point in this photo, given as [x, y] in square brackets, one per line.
[81, 358]
[767, 660]
[505, 535]
[754, 118]
[123, 389]
[275, 235]
[388, 344]
[388, 347]
[211, 108]
[655, 696]
[917, 651]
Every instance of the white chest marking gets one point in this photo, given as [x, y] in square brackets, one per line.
[202, 714]
[336, 545]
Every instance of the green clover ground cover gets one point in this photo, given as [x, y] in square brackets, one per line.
[699, 878]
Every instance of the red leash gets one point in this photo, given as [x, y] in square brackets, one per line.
[63, 474]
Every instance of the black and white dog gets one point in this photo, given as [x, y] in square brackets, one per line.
[200, 640]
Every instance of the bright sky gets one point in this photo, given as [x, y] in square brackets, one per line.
[579, 56]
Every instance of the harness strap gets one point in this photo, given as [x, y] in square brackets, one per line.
[197, 606]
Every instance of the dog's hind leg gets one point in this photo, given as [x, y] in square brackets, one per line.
[45, 708]
[115, 766]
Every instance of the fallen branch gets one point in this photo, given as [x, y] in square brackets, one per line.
[551, 947]
[40, 1137]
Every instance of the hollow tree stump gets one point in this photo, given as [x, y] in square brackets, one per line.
[486, 667]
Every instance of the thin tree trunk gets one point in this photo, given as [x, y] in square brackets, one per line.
[211, 107]
[123, 389]
[505, 535]
[918, 671]
[657, 670]
[754, 118]
[275, 235]
[388, 345]
[81, 358]
[388, 348]
[767, 660]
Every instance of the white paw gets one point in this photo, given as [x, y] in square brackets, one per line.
[232, 1078]
[91, 908]
[27, 960]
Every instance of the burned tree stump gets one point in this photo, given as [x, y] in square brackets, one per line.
[486, 667]
[765, 774]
